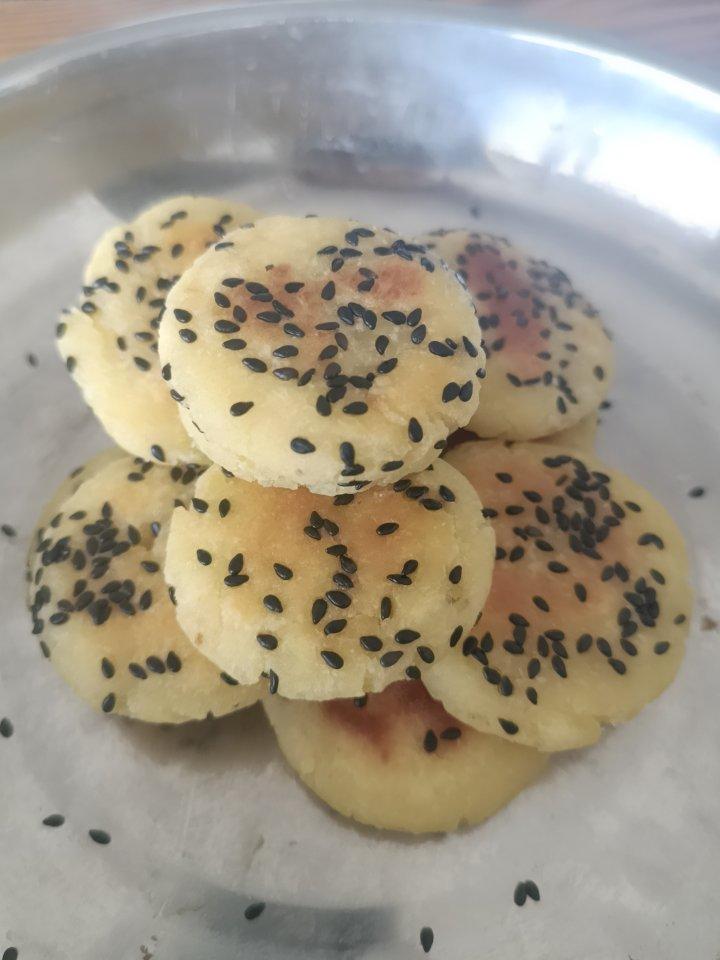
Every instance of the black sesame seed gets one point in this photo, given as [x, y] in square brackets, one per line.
[318, 610]
[381, 344]
[662, 647]
[455, 575]
[338, 599]
[696, 492]
[99, 611]
[650, 538]
[273, 682]
[603, 646]
[347, 453]
[415, 430]
[584, 643]
[272, 603]
[466, 391]
[173, 662]
[301, 445]
[531, 889]
[6, 728]
[451, 733]
[387, 366]
[371, 643]
[204, 557]
[400, 579]
[439, 349]
[189, 336]
[257, 366]
[332, 659]
[108, 670]
[253, 911]
[469, 646]
[508, 726]
[430, 742]
[520, 894]
[54, 820]
[267, 640]
[108, 704]
[99, 836]
[286, 351]
[155, 664]
[235, 579]
[334, 626]
[450, 392]
[323, 407]
[558, 665]
[387, 528]
[390, 658]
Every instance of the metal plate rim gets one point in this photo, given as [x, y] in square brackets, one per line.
[30, 68]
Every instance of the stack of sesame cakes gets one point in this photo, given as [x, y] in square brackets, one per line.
[354, 480]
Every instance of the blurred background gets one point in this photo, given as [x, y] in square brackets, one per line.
[684, 31]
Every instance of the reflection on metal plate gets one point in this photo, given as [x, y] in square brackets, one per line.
[418, 117]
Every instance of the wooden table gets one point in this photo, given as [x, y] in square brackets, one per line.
[688, 31]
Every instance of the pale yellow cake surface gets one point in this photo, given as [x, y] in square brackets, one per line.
[109, 339]
[589, 607]
[326, 597]
[399, 761]
[99, 601]
[320, 353]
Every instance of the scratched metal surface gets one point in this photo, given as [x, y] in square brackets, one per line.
[419, 117]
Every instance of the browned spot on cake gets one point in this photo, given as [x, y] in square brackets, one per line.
[504, 296]
[405, 702]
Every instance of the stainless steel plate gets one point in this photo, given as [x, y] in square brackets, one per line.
[419, 117]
